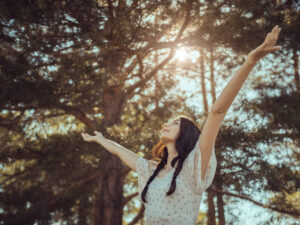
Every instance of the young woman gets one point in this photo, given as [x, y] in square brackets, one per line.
[171, 190]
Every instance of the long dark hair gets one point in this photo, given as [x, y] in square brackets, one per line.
[188, 136]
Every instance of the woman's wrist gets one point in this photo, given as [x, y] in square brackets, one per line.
[252, 58]
[100, 140]
[256, 54]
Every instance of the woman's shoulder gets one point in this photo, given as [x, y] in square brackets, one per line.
[152, 165]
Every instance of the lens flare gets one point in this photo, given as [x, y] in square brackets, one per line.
[181, 54]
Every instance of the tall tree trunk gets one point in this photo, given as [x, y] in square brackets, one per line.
[82, 212]
[211, 214]
[212, 79]
[296, 69]
[108, 207]
[203, 87]
[211, 205]
[220, 202]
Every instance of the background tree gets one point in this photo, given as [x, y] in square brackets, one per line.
[109, 67]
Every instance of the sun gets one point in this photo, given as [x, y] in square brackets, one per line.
[181, 54]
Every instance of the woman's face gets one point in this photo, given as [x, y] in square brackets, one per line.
[170, 130]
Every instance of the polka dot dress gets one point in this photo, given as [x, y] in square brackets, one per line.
[181, 207]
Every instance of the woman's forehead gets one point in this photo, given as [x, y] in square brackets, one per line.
[174, 119]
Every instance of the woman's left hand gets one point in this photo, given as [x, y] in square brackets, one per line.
[267, 46]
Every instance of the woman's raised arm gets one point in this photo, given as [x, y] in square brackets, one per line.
[223, 102]
[227, 96]
[128, 157]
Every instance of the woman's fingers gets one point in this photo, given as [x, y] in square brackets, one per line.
[276, 48]
[89, 138]
[272, 38]
[268, 45]
[86, 136]
[275, 31]
[98, 133]
[83, 135]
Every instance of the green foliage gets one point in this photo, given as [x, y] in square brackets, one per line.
[73, 66]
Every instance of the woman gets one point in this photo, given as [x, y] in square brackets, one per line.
[171, 190]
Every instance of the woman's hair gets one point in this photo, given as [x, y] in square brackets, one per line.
[188, 136]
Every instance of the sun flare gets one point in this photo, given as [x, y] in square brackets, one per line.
[181, 54]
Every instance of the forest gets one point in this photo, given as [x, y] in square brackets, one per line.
[124, 68]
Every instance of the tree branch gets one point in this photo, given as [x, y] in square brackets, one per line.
[289, 212]
[138, 216]
[141, 84]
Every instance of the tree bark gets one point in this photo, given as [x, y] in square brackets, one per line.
[82, 212]
[220, 202]
[212, 78]
[296, 69]
[203, 87]
[211, 205]
[211, 215]
[108, 207]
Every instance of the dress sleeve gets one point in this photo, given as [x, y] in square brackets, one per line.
[143, 174]
[193, 169]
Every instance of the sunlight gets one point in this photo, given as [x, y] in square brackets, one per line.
[181, 54]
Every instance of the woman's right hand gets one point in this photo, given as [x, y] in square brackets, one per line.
[89, 138]
[267, 46]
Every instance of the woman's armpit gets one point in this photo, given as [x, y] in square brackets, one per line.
[152, 165]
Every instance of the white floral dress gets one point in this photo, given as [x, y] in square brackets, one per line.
[182, 206]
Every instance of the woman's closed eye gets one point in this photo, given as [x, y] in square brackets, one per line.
[176, 122]
[169, 123]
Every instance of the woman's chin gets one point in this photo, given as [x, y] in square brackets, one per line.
[163, 138]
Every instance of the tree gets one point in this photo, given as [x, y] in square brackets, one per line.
[88, 64]
[103, 67]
